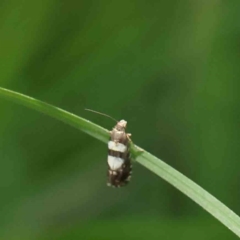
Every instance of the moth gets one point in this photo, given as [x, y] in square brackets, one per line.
[119, 160]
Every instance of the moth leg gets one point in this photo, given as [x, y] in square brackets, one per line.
[128, 136]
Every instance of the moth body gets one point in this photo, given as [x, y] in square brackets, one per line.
[119, 162]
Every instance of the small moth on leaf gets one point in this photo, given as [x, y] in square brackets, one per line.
[119, 161]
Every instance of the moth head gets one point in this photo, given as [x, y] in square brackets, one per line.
[121, 125]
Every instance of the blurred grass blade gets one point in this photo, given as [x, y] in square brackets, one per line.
[178, 180]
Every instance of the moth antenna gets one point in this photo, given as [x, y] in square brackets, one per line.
[103, 114]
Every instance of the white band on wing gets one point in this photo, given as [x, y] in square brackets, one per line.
[115, 162]
[119, 147]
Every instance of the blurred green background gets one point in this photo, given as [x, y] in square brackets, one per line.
[170, 68]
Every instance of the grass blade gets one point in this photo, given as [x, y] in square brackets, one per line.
[178, 180]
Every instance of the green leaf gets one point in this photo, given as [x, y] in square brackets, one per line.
[178, 180]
